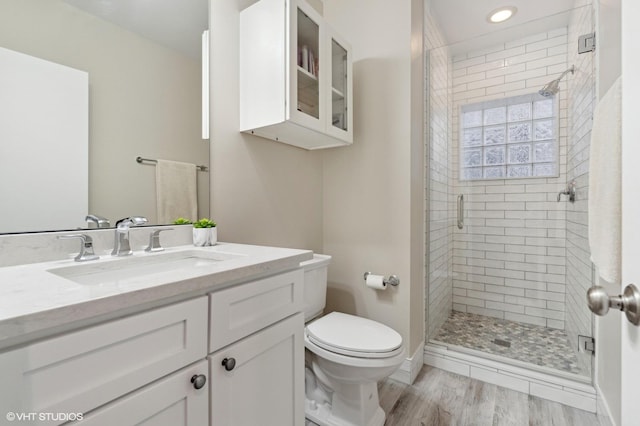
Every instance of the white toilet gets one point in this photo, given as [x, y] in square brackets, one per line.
[345, 358]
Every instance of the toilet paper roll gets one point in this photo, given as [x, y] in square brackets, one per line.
[376, 282]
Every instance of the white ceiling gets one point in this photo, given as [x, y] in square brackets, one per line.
[177, 24]
[465, 21]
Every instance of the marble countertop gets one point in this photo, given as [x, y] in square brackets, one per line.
[40, 299]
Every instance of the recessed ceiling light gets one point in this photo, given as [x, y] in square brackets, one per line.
[501, 14]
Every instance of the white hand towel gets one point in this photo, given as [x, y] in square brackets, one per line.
[604, 185]
[176, 191]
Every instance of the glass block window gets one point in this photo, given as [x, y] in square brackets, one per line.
[509, 138]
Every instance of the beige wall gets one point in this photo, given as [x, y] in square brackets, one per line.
[356, 203]
[263, 192]
[144, 99]
[373, 189]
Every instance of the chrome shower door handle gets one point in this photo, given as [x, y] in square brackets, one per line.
[460, 211]
[628, 302]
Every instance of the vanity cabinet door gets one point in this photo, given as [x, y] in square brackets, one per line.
[173, 401]
[79, 371]
[260, 379]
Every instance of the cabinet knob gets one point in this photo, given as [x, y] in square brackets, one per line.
[199, 380]
[229, 363]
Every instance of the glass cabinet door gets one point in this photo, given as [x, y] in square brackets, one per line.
[309, 66]
[339, 87]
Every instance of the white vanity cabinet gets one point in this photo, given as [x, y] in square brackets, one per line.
[295, 76]
[257, 369]
[229, 357]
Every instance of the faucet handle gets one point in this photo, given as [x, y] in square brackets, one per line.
[131, 221]
[86, 247]
[154, 240]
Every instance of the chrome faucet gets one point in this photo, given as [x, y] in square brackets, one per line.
[121, 245]
[99, 221]
[86, 247]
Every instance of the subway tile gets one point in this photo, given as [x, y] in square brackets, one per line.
[526, 40]
[525, 284]
[560, 40]
[468, 78]
[502, 289]
[547, 260]
[544, 313]
[507, 87]
[486, 312]
[547, 242]
[466, 63]
[526, 58]
[538, 72]
[485, 279]
[489, 65]
[506, 307]
[527, 267]
[526, 232]
[505, 273]
[485, 296]
[512, 257]
[502, 54]
[549, 278]
[498, 239]
[468, 301]
[506, 70]
[525, 214]
[525, 301]
[525, 318]
[506, 206]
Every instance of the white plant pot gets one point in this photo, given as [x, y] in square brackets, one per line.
[201, 237]
[205, 236]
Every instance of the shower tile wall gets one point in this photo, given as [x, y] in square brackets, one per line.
[509, 260]
[581, 104]
[439, 174]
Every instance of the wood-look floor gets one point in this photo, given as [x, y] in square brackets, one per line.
[440, 398]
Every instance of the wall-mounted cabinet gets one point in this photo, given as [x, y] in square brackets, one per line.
[295, 76]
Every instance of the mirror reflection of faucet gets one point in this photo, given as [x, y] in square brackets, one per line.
[97, 221]
[570, 190]
[121, 245]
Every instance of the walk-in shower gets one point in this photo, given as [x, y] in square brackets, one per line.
[507, 271]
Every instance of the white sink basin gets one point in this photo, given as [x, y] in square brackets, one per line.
[142, 266]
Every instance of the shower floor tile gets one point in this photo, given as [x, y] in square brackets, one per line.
[547, 347]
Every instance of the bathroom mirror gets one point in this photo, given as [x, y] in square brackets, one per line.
[144, 65]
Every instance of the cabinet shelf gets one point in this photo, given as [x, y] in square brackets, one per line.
[336, 95]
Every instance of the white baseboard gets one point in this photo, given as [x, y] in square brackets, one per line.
[575, 393]
[410, 367]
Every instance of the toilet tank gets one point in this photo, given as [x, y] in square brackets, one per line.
[315, 285]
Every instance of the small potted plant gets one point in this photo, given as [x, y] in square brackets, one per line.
[182, 221]
[205, 233]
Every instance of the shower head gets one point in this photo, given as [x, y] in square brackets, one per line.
[553, 87]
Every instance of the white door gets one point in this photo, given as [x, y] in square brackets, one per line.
[630, 336]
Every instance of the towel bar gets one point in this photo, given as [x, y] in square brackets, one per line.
[151, 160]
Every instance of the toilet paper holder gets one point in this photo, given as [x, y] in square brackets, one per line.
[392, 280]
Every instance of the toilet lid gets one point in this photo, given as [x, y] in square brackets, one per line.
[354, 336]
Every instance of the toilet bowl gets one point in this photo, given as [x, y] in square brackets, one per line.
[345, 357]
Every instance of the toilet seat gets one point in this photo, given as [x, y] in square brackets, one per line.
[354, 336]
